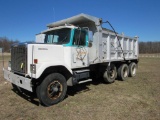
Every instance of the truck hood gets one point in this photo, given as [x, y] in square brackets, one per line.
[46, 52]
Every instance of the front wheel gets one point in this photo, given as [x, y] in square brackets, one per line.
[52, 90]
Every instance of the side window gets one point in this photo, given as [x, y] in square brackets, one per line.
[79, 38]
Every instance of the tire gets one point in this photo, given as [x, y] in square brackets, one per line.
[132, 69]
[110, 76]
[52, 90]
[123, 72]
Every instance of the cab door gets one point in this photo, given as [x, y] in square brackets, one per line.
[80, 49]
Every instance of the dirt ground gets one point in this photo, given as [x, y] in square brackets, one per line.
[138, 98]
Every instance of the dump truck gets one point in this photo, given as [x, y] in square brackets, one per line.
[70, 52]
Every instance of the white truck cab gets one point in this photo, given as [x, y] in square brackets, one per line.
[69, 52]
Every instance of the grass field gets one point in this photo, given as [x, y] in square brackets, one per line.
[137, 98]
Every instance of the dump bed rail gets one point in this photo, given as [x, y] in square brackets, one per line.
[121, 48]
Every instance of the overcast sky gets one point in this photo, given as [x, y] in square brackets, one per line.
[22, 19]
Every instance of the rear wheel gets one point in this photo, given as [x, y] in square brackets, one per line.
[52, 89]
[132, 69]
[110, 74]
[123, 72]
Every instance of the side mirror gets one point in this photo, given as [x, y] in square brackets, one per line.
[90, 36]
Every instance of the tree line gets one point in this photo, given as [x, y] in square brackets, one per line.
[149, 47]
[6, 43]
[144, 47]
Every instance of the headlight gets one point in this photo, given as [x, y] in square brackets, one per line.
[9, 65]
[33, 68]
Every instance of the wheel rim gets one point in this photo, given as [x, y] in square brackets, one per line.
[54, 90]
[112, 74]
[134, 70]
[125, 72]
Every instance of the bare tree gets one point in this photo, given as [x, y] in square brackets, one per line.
[6, 43]
[149, 47]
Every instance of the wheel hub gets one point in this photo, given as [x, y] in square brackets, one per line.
[134, 70]
[112, 73]
[54, 90]
[125, 72]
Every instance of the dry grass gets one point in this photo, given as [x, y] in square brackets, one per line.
[6, 56]
[150, 55]
[137, 98]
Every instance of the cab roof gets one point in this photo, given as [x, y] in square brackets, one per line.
[59, 27]
[75, 20]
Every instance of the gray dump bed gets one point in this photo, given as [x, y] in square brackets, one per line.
[105, 47]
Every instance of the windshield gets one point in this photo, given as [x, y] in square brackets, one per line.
[60, 36]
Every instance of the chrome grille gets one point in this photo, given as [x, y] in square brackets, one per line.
[19, 59]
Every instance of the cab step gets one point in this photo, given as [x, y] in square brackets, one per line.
[81, 76]
[84, 81]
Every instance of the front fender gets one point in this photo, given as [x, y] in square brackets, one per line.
[40, 68]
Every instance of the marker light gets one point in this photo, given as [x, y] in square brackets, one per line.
[35, 61]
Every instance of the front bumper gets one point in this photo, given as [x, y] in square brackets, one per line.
[18, 80]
